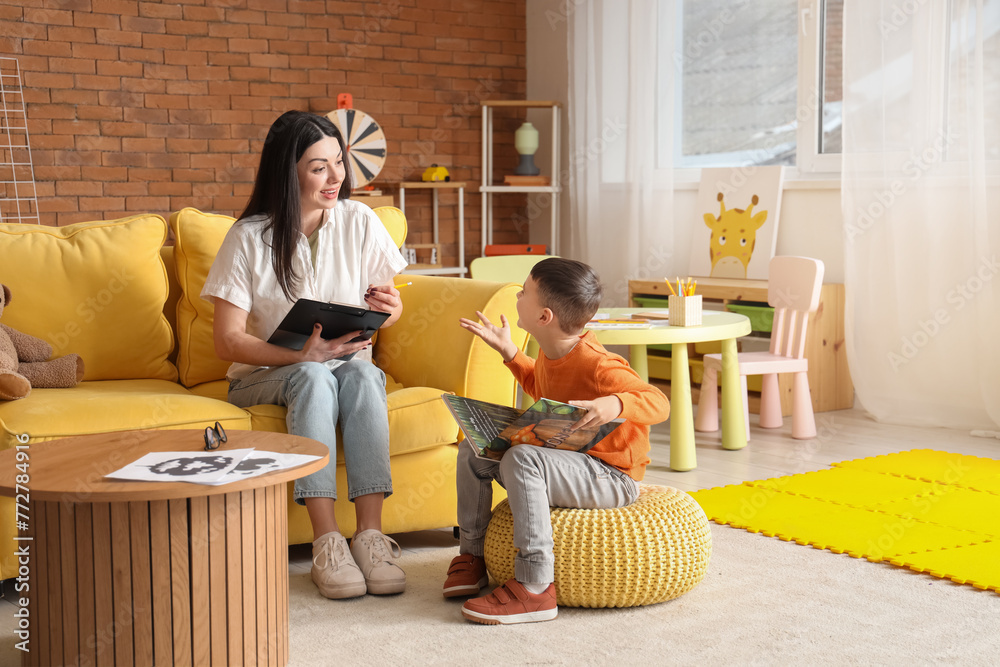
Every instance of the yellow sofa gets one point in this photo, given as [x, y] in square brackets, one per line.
[129, 305]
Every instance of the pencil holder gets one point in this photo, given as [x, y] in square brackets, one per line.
[685, 311]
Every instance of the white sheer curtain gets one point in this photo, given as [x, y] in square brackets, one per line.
[922, 210]
[621, 204]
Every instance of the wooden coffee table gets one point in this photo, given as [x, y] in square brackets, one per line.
[144, 573]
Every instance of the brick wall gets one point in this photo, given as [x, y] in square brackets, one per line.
[149, 107]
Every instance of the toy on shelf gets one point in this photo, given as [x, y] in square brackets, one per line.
[435, 173]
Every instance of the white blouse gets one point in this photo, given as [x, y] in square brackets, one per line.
[353, 250]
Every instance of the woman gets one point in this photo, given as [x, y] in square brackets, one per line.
[301, 237]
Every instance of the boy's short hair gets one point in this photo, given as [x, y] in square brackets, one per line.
[570, 289]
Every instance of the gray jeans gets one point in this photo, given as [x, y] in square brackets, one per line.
[536, 478]
[317, 398]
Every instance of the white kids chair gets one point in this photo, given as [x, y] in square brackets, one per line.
[793, 287]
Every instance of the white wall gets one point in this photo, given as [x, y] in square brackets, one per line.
[811, 219]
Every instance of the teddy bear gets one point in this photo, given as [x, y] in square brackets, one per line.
[25, 363]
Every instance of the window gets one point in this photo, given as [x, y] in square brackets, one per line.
[755, 83]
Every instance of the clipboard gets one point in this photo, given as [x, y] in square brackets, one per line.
[337, 319]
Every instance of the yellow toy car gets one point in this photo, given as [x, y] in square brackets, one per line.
[435, 173]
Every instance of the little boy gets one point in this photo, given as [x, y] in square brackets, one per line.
[559, 298]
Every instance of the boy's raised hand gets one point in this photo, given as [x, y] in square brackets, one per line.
[599, 411]
[496, 337]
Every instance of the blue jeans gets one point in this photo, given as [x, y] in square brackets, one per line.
[536, 478]
[316, 398]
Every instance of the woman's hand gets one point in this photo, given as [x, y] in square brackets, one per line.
[384, 298]
[320, 349]
[599, 411]
[496, 337]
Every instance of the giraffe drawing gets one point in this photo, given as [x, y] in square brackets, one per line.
[734, 234]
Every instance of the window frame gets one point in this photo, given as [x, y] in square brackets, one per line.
[809, 113]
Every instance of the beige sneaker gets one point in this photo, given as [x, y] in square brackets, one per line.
[376, 555]
[334, 571]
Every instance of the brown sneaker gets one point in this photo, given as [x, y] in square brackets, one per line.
[512, 603]
[334, 571]
[466, 576]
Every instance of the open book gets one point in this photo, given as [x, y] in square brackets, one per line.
[492, 429]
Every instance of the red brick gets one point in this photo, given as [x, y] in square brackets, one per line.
[169, 188]
[117, 7]
[95, 52]
[45, 80]
[248, 45]
[100, 203]
[118, 38]
[71, 34]
[123, 129]
[151, 56]
[118, 68]
[190, 88]
[99, 113]
[150, 174]
[166, 72]
[143, 85]
[160, 11]
[207, 14]
[142, 144]
[268, 89]
[228, 31]
[143, 25]
[228, 59]
[290, 47]
[175, 42]
[50, 17]
[167, 101]
[149, 116]
[152, 204]
[126, 189]
[269, 60]
[89, 19]
[40, 47]
[187, 27]
[122, 159]
[268, 32]
[193, 175]
[186, 58]
[252, 17]
[192, 117]
[171, 160]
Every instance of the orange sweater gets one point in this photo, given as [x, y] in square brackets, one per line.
[588, 372]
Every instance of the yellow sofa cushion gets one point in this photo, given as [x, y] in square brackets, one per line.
[197, 238]
[93, 288]
[112, 405]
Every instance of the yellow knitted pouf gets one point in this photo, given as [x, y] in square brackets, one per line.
[655, 549]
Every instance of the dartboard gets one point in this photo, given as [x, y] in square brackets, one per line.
[365, 143]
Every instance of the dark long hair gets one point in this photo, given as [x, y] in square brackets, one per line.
[276, 190]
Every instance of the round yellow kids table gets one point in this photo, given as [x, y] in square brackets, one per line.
[716, 325]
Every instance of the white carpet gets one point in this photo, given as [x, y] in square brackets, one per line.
[763, 601]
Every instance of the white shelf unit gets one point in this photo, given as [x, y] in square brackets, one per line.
[435, 187]
[488, 188]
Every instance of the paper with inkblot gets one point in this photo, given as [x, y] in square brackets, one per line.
[199, 467]
[220, 466]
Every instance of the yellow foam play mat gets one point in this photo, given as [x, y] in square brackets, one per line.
[930, 511]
